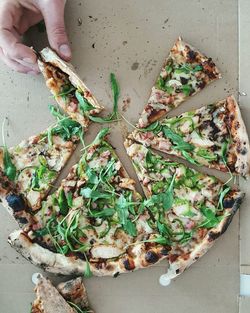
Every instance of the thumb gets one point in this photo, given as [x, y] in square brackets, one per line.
[53, 13]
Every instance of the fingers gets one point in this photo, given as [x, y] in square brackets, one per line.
[13, 52]
[53, 13]
[16, 66]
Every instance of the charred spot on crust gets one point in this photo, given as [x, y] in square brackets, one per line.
[21, 220]
[201, 84]
[228, 220]
[16, 202]
[228, 203]
[191, 55]
[241, 150]
[129, 264]
[151, 257]
[177, 271]
[116, 274]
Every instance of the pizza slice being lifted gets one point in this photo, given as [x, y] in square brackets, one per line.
[214, 135]
[68, 89]
[94, 223]
[189, 209]
[185, 72]
[28, 170]
[68, 297]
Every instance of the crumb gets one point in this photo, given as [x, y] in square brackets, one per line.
[126, 104]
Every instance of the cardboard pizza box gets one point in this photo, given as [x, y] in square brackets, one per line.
[132, 38]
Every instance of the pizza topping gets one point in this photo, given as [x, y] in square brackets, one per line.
[184, 73]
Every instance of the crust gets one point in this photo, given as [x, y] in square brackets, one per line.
[49, 57]
[179, 265]
[74, 291]
[240, 138]
[141, 256]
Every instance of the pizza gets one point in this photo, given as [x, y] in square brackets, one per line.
[185, 72]
[68, 297]
[28, 170]
[214, 136]
[95, 223]
[189, 209]
[70, 92]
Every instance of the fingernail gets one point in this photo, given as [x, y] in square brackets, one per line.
[29, 61]
[65, 50]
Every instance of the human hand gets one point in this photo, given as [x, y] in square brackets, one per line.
[16, 17]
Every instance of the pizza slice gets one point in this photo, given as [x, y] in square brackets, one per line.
[95, 223]
[70, 92]
[68, 297]
[188, 208]
[28, 170]
[185, 72]
[214, 135]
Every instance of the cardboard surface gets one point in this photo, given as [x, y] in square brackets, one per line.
[130, 38]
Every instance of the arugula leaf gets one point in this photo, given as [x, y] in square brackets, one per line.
[211, 219]
[66, 90]
[161, 240]
[69, 197]
[188, 157]
[66, 128]
[122, 206]
[84, 104]
[206, 154]
[114, 115]
[63, 203]
[221, 198]
[186, 89]
[104, 213]
[93, 194]
[8, 166]
[177, 140]
[167, 197]
[198, 68]
[130, 228]
[224, 151]
[87, 272]
[152, 127]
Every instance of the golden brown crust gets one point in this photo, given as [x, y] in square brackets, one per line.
[239, 154]
[139, 256]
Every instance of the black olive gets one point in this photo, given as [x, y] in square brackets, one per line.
[184, 80]
[151, 257]
[228, 203]
[16, 202]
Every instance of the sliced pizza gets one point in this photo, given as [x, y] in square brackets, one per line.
[188, 208]
[65, 298]
[94, 223]
[185, 72]
[70, 92]
[28, 170]
[214, 135]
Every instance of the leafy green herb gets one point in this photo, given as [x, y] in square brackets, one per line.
[66, 128]
[63, 203]
[211, 219]
[114, 115]
[69, 197]
[66, 90]
[167, 197]
[84, 104]
[42, 174]
[206, 154]
[87, 272]
[221, 198]
[224, 151]
[177, 140]
[94, 194]
[188, 157]
[104, 213]
[155, 127]
[186, 89]
[198, 68]
[9, 167]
